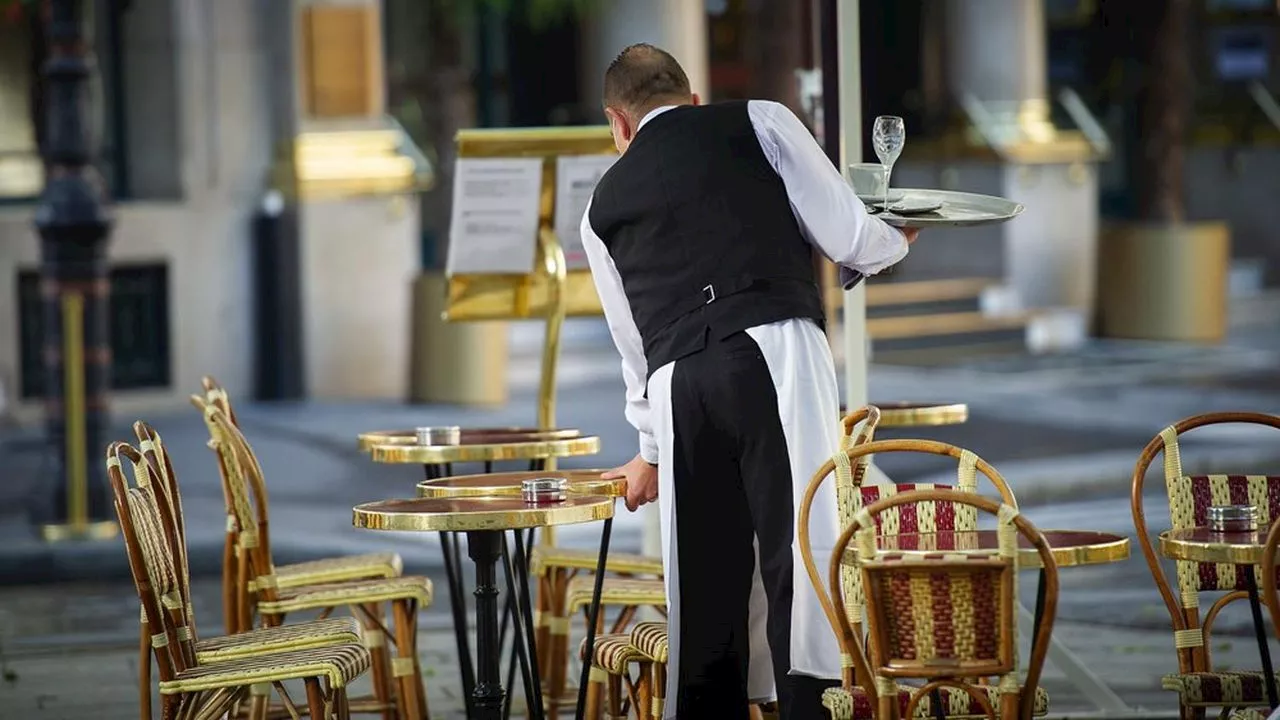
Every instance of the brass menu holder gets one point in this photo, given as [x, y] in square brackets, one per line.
[551, 291]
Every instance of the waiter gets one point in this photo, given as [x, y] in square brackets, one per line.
[700, 241]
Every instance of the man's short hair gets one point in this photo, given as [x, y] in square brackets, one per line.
[641, 74]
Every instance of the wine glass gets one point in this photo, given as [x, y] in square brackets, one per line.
[888, 135]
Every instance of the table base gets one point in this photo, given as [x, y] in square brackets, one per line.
[483, 689]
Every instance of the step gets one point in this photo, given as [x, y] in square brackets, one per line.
[888, 293]
[942, 325]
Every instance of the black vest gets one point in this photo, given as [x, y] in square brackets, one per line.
[702, 233]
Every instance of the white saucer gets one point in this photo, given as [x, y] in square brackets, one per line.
[894, 196]
[913, 206]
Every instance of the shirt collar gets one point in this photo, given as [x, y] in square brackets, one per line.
[653, 114]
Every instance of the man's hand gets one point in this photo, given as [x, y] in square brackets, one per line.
[910, 233]
[642, 481]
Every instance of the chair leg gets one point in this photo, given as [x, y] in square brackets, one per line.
[613, 698]
[659, 689]
[315, 699]
[144, 672]
[377, 645]
[405, 665]
[595, 693]
[644, 691]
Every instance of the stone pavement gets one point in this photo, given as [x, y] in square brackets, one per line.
[1064, 430]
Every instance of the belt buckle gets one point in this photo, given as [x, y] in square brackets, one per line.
[709, 292]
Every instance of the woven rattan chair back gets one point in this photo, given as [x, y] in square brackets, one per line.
[944, 617]
[1267, 577]
[851, 497]
[251, 567]
[1189, 500]
[158, 568]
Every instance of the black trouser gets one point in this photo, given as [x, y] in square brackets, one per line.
[733, 484]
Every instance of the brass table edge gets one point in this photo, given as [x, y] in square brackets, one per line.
[928, 415]
[1210, 552]
[1029, 558]
[365, 441]
[602, 488]
[439, 454]
[495, 520]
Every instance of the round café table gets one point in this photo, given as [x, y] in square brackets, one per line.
[485, 520]
[1069, 548]
[581, 482]
[485, 446]
[1201, 544]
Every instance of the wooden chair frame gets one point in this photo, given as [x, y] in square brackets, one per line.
[1191, 635]
[1014, 702]
[158, 564]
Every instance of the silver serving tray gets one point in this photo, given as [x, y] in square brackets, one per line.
[959, 209]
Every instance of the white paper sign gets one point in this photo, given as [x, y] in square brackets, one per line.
[576, 178]
[494, 224]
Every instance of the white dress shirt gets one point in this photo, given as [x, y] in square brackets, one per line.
[830, 216]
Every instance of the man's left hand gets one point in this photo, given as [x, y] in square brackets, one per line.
[642, 481]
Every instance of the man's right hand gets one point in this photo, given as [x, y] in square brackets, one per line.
[910, 234]
[642, 481]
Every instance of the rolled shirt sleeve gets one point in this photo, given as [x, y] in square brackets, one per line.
[626, 336]
[830, 215]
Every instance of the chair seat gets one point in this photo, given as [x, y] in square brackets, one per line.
[339, 665]
[544, 558]
[960, 705]
[339, 569]
[301, 636]
[356, 592]
[1249, 714]
[613, 653]
[1211, 689]
[615, 591]
[650, 638]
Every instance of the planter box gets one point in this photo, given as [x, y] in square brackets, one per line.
[462, 362]
[1164, 282]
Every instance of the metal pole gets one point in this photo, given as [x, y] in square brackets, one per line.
[74, 223]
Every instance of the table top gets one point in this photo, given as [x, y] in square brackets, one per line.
[585, 482]
[1068, 547]
[470, 436]
[1204, 545]
[909, 414]
[478, 513]
[487, 448]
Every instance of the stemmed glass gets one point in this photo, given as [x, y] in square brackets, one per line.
[888, 135]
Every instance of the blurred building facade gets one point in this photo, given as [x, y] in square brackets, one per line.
[206, 107]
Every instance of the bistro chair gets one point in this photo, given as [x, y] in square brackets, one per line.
[848, 466]
[210, 678]
[257, 594]
[941, 617]
[612, 686]
[154, 469]
[565, 577]
[312, 572]
[1198, 684]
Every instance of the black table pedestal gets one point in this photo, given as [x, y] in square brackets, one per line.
[485, 549]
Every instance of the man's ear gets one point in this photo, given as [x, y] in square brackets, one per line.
[695, 99]
[621, 127]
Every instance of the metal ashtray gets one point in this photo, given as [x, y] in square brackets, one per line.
[447, 435]
[544, 490]
[1233, 518]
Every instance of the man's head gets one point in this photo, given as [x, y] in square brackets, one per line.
[640, 79]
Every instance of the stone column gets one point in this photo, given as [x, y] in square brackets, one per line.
[677, 26]
[680, 28]
[996, 52]
[74, 223]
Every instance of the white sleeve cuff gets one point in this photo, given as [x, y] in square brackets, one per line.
[887, 248]
[649, 448]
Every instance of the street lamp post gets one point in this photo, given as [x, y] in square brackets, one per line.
[74, 221]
